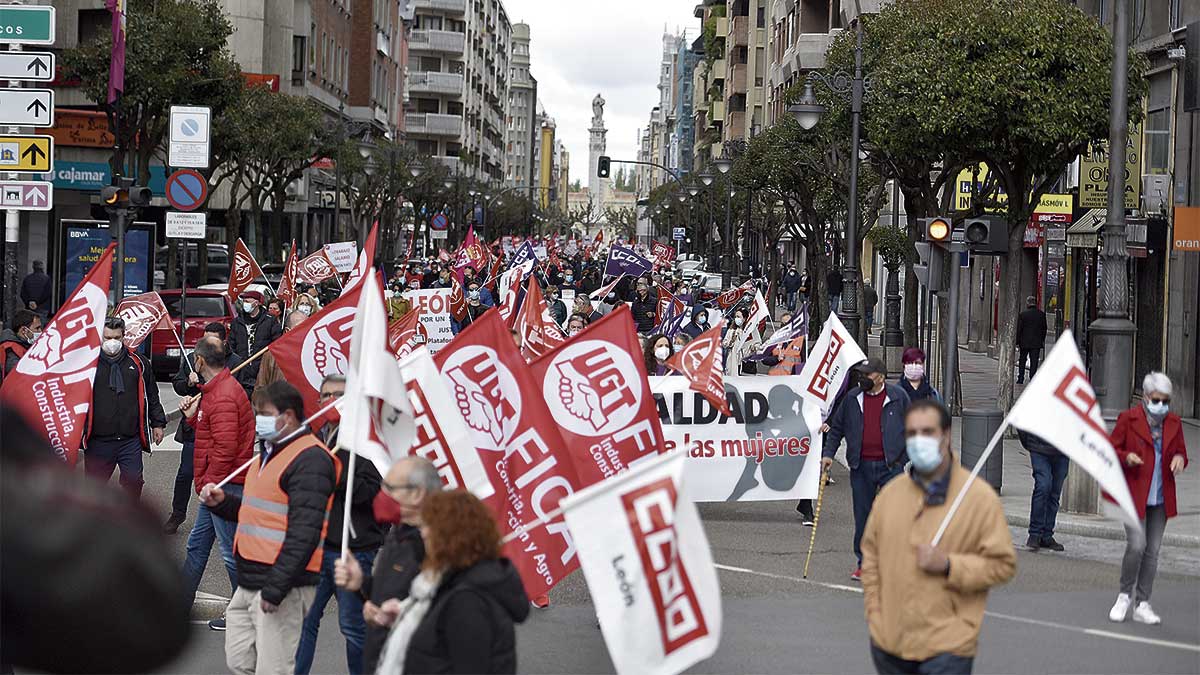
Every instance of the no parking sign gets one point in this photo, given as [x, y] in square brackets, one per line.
[187, 190]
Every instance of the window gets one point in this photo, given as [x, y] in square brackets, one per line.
[92, 22]
[299, 52]
[1157, 129]
[1176, 19]
[762, 17]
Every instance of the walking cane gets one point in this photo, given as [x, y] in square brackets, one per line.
[812, 540]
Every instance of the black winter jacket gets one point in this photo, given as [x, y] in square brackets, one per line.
[645, 312]
[362, 515]
[398, 563]
[308, 483]
[266, 331]
[470, 626]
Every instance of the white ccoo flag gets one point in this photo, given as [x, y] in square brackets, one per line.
[831, 358]
[377, 420]
[442, 435]
[1060, 406]
[648, 567]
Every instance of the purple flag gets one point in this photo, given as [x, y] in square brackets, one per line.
[790, 331]
[116, 66]
[624, 260]
[524, 252]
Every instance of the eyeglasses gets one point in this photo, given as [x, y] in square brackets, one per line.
[325, 395]
[1160, 399]
[396, 488]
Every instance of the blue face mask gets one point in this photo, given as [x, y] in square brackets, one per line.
[264, 427]
[1157, 409]
[925, 452]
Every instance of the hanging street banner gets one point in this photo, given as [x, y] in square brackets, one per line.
[759, 453]
[27, 25]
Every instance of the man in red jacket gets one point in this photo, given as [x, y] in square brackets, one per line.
[224, 424]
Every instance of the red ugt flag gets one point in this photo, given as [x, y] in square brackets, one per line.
[701, 362]
[245, 270]
[518, 441]
[539, 333]
[291, 274]
[318, 347]
[143, 314]
[596, 388]
[52, 383]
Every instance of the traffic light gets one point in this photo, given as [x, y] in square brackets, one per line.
[125, 195]
[938, 230]
[986, 235]
[928, 267]
[603, 166]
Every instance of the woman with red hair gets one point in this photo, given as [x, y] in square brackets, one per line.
[460, 613]
[915, 382]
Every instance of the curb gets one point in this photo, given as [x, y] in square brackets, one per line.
[1105, 531]
[206, 610]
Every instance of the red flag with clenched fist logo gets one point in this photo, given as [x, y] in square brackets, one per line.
[52, 383]
[538, 330]
[517, 438]
[407, 333]
[244, 271]
[143, 314]
[596, 388]
[291, 274]
[317, 267]
[318, 347]
[701, 362]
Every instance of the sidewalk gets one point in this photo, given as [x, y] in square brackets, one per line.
[980, 390]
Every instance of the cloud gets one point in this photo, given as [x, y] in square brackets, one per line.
[578, 49]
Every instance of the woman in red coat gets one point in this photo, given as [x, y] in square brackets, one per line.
[1149, 443]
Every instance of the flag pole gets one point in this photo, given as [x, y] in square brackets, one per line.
[285, 439]
[974, 472]
[812, 540]
[245, 363]
[349, 499]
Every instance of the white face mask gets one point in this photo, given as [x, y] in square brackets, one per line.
[737, 321]
[248, 306]
[1157, 409]
[914, 371]
[111, 347]
[305, 309]
[264, 427]
[662, 353]
[925, 452]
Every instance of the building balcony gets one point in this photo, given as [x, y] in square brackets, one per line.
[722, 27]
[718, 70]
[737, 125]
[739, 31]
[437, 41]
[435, 83]
[716, 111]
[433, 124]
[737, 83]
[456, 7]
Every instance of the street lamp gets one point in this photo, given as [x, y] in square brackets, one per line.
[706, 178]
[415, 169]
[723, 164]
[808, 111]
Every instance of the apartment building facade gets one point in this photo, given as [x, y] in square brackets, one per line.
[522, 113]
[459, 69]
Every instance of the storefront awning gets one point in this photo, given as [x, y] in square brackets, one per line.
[1085, 233]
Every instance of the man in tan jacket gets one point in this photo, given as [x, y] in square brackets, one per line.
[924, 603]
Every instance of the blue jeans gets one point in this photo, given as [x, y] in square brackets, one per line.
[1049, 472]
[183, 480]
[791, 301]
[942, 664]
[835, 301]
[869, 316]
[350, 615]
[865, 481]
[207, 528]
[104, 455]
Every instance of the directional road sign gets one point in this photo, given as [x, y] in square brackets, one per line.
[186, 190]
[27, 107]
[32, 66]
[26, 195]
[678, 233]
[26, 153]
[28, 25]
[189, 142]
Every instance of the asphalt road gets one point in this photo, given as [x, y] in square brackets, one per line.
[1053, 617]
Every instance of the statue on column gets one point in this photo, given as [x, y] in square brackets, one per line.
[598, 112]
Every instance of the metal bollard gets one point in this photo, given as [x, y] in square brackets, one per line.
[978, 427]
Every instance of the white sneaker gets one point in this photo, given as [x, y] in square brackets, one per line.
[1144, 613]
[1120, 609]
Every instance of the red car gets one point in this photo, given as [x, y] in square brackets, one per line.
[203, 307]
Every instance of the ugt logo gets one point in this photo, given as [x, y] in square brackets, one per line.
[819, 386]
[1075, 392]
[650, 510]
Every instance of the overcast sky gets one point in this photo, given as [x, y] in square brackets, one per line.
[614, 48]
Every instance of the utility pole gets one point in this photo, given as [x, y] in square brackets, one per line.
[12, 236]
[1112, 334]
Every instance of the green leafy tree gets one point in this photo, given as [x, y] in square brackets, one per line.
[1021, 85]
[175, 54]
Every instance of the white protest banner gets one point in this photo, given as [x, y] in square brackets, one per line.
[760, 453]
[833, 355]
[649, 567]
[435, 315]
[1060, 406]
[342, 255]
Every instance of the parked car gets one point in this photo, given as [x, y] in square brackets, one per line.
[267, 291]
[688, 265]
[709, 286]
[218, 265]
[203, 307]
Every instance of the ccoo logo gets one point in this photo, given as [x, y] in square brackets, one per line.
[592, 388]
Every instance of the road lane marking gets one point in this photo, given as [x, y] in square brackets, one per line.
[1095, 632]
